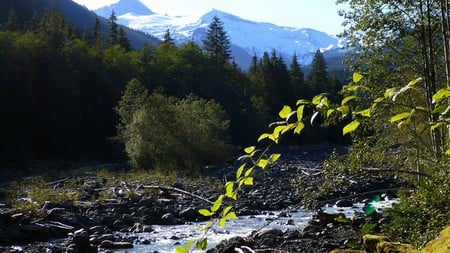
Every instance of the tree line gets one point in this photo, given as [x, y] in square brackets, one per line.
[59, 85]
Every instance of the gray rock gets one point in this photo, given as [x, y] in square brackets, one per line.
[168, 219]
[107, 244]
[267, 231]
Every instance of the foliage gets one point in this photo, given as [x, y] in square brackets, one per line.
[164, 131]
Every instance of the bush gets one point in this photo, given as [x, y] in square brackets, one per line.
[167, 132]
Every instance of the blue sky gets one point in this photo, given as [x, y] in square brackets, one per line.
[317, 14]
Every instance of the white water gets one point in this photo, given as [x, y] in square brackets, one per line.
[164, 238]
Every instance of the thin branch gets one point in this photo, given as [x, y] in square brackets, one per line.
[167, 188]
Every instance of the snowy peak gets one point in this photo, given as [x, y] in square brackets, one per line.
[135, 7]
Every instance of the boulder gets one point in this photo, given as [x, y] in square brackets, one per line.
[440, 244]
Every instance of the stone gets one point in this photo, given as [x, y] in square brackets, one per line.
[440, 244]
[267, 231]
[344, 203]
[168, 219]
[370, 242]
[107, 244]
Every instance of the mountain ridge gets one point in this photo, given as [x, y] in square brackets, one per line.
[251, 37]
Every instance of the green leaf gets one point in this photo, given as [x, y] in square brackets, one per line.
[249, 171]
[345, 110]
[352, 243]
[226, 210]
[330, 111]
[274, 157]
[206, 226]
[351, 127]
[348, 99]
[284, 113]
[342, 219]
[217, 204]
[222, 222]
[300, 110]
[313, 117]
[400, 116]
[231, 216]
[205, 212]
[388, 93]
[303, 102]
[447, 152]
[248, 181]
[181, 249]
[364, 113]
[202, 244]
[249, 149]
[324, 103]
[415, 81]
[262, 163]
[229, 189]
[316, 100]
[239, 171]
[357, 77]
[367, 227]
[264, 136]
[298, 129]
[440, 95]
[436, 125]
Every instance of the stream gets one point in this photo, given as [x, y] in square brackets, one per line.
[164, 239]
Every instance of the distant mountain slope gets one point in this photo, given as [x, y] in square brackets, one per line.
[82, 18]
[247, 37]
[134, 7]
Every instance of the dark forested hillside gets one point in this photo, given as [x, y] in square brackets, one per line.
[77, 15]
[63, 73]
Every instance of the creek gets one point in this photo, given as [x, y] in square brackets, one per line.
[164, 239]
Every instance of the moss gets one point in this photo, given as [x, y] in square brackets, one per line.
[370, 242]
[439, 245]
[395, 247]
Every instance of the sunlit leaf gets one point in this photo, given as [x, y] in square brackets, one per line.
[262, 163]
[351, 127]
[447, 152]
[415, 81]
[274, 157]
[436, 125]
[226, 210]
[181, 249]
[284, 113]
[345, 110]
[264, 136]
[202, 244]
[303, 102]
[205, 212]
[300, 110]
[298, 129]
[249, 171]
[217, 204]
[400, 116]
[313, 117]
[440, 95]
[206, 226]
[316, 100]
[330, 111]
[239, 171]
[324, 103]
[348, 99]
[229, 189]
[364, 113]
[231, 216]
[388, 93]
[248, 181]
[249, 149]
[357, 77]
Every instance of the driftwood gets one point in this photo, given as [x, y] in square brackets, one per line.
[167, 188]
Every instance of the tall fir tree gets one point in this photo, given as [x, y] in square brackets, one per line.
[97, 33]
[168, 38]
[297, 78]
[123, 40]
[318, 78]
[217, 43]
[12, 24]
[113, 32]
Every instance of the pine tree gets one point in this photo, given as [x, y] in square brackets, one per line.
[318, 78]
[217, 43]
[113, 29]
[12, 24]
[297, 79]
[123, 40]
[168, 38]
[97, 33]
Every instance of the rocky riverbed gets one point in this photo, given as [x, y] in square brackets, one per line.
[87, 225]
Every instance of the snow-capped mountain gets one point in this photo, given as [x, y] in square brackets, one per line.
[134, 7]
[247, 37]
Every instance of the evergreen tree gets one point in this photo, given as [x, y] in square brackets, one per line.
[123, 40]
[12, 24]
[97, 33]
[113, 32]
[297, 79]
[217, 43]
[168, 38]
[318, 78]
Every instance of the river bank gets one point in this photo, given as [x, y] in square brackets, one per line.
[137, 206]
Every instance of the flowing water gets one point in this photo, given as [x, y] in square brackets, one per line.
[165, 238]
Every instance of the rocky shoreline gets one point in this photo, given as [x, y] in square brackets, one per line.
[87, 226]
